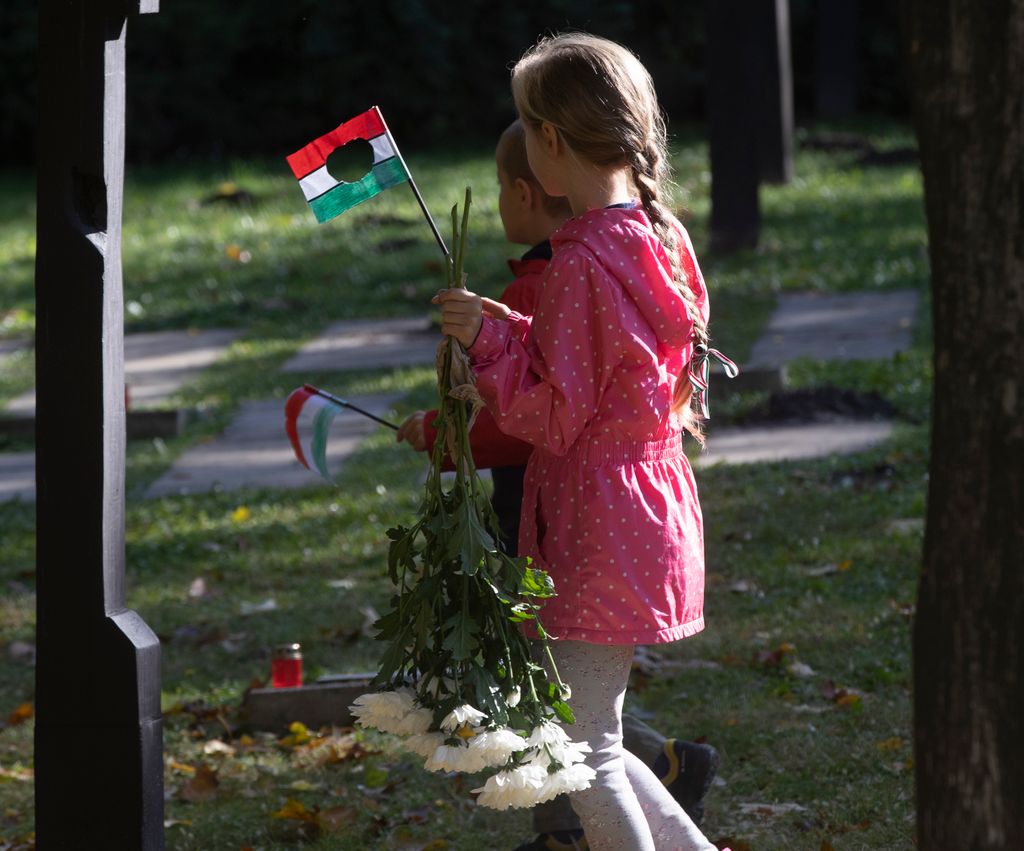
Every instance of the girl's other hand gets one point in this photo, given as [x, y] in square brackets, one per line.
[412, 431]
[462, 313]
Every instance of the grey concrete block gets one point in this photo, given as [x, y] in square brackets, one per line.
[319, 704]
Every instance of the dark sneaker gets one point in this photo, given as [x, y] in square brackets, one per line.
[687, 770]
[558, 840]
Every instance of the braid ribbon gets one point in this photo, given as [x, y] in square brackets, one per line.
[700, 374]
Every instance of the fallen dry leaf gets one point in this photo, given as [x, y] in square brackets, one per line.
[337, 819]
[268, 605]
[201, 787]
[295, 810]
[215, 747]
[799, 669]
[21, 714]
[774, 658]
[22, 775]
[893, 743]
[298, 734]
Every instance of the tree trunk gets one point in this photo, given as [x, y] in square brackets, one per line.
[774, 102]
[966, 63]
[836, 62]
[732, 91]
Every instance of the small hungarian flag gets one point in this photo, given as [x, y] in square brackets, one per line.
[316, 408]
[317, 414]
[329, 197]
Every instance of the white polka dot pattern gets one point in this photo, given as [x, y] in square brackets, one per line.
[590, 383]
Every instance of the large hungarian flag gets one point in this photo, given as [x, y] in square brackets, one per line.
[329, 197]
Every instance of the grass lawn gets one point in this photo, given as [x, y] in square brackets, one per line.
[802, 677]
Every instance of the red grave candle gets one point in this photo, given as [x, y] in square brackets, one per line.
[286, 666]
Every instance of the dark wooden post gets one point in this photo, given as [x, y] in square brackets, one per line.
[732, 89]
[836, 41]
[98, 743]
[774, 102]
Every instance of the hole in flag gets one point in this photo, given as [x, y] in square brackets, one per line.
[350, 162]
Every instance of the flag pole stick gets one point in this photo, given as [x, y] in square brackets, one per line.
[345, 404]
[414, 187]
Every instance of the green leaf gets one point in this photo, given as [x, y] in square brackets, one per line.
[392, 661]
[563, 711]
[537, 583]
[460, 636]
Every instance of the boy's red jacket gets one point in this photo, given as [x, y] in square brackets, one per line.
[490, 445]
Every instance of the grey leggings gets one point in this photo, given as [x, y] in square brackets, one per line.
[626, 807]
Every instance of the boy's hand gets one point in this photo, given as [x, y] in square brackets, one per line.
[412, 431]
[462, 313]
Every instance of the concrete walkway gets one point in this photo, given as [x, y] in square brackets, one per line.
[790, 443]
[156, 365]
[845, 326]
[368, 344]
[254, 452]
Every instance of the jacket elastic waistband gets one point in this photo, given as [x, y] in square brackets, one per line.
[599, 452]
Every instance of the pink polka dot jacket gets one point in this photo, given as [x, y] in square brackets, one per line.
[610, 505]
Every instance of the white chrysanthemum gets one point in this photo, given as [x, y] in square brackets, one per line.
[571, 779]
[513, 697]
[517, 788]
[392, 712]
[424, 744]
[547, 733]
[496, 746]
[415, 722]
[568, 753]
[383, 709]
[464, 714]
[455, 758]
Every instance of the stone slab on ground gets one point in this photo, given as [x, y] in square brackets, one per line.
[156, 364]
[791, 442]
[318, 704]
[845, 326]
[17, 476]
[368, 344]
[253, 451]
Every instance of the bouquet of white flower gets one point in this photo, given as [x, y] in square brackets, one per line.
[457, 676]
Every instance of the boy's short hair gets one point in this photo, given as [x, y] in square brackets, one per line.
[511, 157]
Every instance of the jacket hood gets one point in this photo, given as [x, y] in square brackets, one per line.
[623, 242]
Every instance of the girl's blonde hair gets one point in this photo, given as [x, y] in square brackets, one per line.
[601, 100]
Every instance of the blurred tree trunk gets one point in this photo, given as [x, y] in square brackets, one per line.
[966, 63]
[732, 92]
[774, 102]
[836, 66]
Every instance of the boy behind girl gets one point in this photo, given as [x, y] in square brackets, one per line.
[529, 217]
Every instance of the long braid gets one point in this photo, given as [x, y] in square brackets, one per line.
[648, 171]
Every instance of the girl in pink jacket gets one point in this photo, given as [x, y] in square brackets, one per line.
[600, 381]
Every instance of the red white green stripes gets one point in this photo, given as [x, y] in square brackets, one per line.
[310, 441]
[329, 197]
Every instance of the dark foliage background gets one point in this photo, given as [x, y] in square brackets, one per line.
[207, 79]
